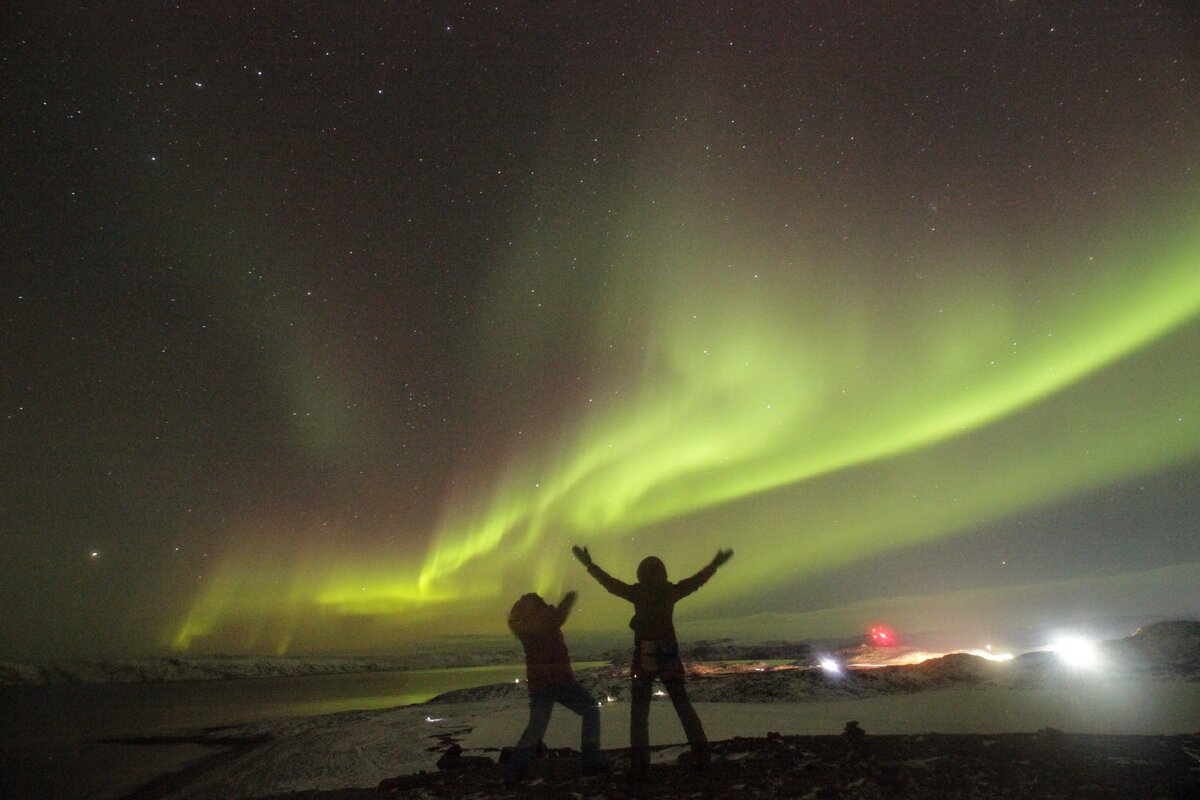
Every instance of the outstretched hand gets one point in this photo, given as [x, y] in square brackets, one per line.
[721, 557]
[583, 555]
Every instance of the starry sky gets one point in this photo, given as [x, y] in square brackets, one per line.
[330, 327]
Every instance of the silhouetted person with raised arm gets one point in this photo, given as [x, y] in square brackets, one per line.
[548, 670]
[655, 650]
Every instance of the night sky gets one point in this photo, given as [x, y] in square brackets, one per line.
[330, 327]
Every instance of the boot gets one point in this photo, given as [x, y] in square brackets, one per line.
[593, 761]
[639, 763]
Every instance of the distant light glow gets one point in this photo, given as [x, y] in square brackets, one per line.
[831, 667]
[895, 658]
[660, 693]
[988, 654]
[434, 719]
[902, 657]
[1077, 651]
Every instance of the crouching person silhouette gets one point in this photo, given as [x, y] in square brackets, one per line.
[655, 649]
[548, 668]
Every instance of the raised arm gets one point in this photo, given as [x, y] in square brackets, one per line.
[619, 588]
[689, 585]
[563, 610]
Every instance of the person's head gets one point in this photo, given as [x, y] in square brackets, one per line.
[652, 570]
[526, 606]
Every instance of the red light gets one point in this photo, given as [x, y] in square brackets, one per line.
[882, 637]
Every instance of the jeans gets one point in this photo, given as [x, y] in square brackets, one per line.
[639, 716]
[541, 704]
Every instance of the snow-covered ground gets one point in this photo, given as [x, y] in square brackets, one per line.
[1144, 684]
[362, 748]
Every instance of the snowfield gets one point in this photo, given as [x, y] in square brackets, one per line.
[1147, 686]
[359, 749]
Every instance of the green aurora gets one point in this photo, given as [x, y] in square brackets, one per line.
[330, 332]
[803, 400]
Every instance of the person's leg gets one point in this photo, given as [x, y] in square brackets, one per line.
[639, 723]
[540, 706]
[688, 716]
[580, 700]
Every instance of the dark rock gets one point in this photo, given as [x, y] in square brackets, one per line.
[853, 731]
[453, 759]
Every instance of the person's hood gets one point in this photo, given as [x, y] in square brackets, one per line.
[526, 606]
[652, 570]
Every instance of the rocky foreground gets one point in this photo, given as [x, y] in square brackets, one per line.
[852, 766]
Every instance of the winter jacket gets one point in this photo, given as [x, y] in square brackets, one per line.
[539, 627]
[653, 600]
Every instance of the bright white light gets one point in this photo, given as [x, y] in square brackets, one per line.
[660, 693]
[831, 666]
[434, 719]
[1076, 651]
[610, 698]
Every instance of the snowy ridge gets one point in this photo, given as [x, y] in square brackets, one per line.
[158, 670]
[1167, 648]
[223, 667]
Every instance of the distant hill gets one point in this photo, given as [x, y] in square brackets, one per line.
[1164, 648]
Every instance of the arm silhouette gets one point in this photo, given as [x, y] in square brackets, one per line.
[619, 588]
[689, 585]
[563, 610]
